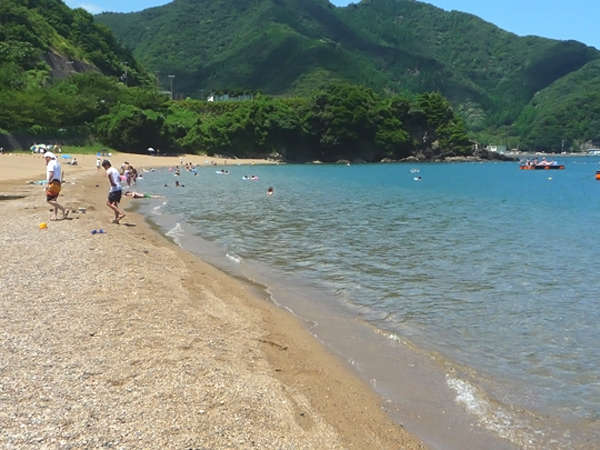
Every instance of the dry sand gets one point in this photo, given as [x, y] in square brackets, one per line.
[122, 339]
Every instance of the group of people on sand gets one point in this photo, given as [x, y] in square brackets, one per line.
[45, 148]
[128, 174]
[54, 180]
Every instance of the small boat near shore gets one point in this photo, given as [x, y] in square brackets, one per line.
[542, 167]
[544, 164]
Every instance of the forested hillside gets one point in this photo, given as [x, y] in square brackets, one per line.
[45, 39]
[394, 46]
[70, 81]
[64, 75]
[565, 113]
[43, 42]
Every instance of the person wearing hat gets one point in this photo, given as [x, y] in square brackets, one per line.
[54, 178]
[114, 194]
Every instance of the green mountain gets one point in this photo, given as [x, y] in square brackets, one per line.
[44, 40]
[565, 114]
[111, 102]
[395, 46]
[60, 70]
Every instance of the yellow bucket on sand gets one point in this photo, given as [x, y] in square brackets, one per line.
[43, 226]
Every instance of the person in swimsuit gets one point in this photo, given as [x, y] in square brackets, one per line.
[132, 194]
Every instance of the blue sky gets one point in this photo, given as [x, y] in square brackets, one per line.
[557, 19]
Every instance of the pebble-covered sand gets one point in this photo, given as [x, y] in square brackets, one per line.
[122, 340]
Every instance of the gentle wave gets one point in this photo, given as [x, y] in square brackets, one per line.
[485, 264]
[176, 233]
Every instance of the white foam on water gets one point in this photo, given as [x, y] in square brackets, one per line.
[157, 209]
[176, 233]
[492, 416]
[233, 257]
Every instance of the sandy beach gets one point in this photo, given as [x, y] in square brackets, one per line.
[122, 339]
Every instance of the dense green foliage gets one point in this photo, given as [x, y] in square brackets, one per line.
[393, 46]
[566, 115]
[341, 121]
[44, 39]
[365, 82]
[41, 43]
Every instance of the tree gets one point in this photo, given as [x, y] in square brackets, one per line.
[131, 129]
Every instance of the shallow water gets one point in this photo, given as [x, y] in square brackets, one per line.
[489, 268]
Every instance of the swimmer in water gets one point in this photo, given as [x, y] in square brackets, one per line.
[132, 194]
[270, 190]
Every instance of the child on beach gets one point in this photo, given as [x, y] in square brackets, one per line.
[54, 179]
[114, 194]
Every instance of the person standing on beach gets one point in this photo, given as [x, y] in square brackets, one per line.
[54, 179]
[114, 194]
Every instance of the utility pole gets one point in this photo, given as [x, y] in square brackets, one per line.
[171, 78]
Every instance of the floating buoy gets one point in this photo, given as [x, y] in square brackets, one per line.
[597, 174]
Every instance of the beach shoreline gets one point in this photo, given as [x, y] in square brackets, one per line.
[123, 338]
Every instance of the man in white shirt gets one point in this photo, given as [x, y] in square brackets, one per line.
[54, 179]
[114, 194]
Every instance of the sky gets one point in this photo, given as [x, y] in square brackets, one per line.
[557, 19]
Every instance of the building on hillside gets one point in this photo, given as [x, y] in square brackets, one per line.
[231, 98]
[496, 148]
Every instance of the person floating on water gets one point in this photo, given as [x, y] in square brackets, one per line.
[270, 190]
[132, 194]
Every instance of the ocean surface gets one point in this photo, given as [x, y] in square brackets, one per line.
[484, 270]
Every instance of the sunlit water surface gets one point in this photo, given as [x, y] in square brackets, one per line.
[493, 267]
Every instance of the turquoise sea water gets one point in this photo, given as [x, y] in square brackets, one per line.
[491, 267]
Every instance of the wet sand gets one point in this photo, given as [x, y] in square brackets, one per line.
[124, 339]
